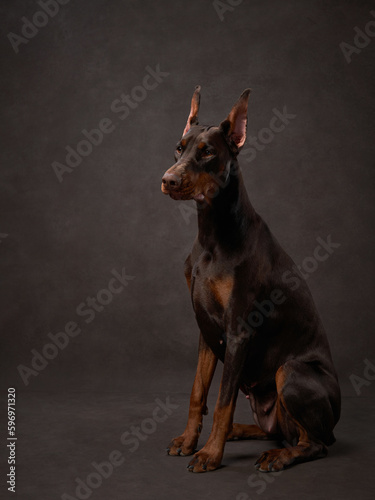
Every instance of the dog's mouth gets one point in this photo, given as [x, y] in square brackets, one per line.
[175, 194]
[182, 194]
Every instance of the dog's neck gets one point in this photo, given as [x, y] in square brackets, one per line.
[226, 219]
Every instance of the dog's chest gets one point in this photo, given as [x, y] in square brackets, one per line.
[212, 286]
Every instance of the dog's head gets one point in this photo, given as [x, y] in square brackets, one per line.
[204, 155]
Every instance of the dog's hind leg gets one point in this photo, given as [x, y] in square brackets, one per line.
[245, 431]
[307, 410]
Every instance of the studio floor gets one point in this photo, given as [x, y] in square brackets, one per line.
[65, 439]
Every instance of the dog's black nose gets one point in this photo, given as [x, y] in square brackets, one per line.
[171, 181]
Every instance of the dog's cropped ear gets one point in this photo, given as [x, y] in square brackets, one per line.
[234, 126]
[193, 116]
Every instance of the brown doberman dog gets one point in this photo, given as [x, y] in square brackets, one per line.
[254, 312]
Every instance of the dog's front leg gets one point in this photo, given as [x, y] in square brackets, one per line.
[210, 456]
[186, 443]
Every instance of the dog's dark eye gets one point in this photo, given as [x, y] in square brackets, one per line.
[207, 153]
[179, 150]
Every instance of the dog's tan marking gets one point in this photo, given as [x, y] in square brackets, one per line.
[222, 289]
[188, 279]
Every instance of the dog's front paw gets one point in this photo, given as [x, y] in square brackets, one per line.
[183, 445]
[205, 461]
